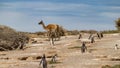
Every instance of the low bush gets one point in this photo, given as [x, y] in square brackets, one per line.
[11, 39]
[108, 66]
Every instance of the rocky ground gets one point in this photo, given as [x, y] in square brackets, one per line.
[98, 54]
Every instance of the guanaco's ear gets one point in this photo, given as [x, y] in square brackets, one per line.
[40, 22]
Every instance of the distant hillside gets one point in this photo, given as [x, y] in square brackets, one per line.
[4, 28]
[6, 33]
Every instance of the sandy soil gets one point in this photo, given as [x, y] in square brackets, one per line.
[100, 53]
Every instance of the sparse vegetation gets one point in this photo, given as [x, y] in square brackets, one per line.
[110, 31]
[50, 62]
[117, 22]
[11, 39]
[108, 66]
[88, 31]
[75, 47]
[73, 32]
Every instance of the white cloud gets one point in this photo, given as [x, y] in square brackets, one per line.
[41, 7]
[115, 7]
[110, 14]
[11, 17]
[18, 21]
[24, 16]
[61, 6]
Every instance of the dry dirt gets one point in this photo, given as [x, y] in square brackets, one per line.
[100, 53]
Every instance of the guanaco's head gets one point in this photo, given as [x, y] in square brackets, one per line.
[41, 22]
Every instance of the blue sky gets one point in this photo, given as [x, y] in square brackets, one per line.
[24, 15]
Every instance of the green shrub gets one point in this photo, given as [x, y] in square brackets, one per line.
[108, 66]
[75, 47]
[50, 62]
[110, 31]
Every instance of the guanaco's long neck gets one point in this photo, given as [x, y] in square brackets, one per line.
[43, 25]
